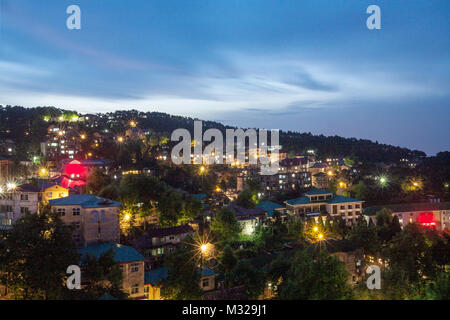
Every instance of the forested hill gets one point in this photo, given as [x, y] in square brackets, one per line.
[28, 126]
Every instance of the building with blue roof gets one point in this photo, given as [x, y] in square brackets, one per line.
[155, 277]
[130, 261]
[271, 208]
[94, 219]
[318, 201]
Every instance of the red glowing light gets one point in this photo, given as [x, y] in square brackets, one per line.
[426, 219]
[74, 169]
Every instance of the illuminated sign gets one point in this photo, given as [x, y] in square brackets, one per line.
[426, 219]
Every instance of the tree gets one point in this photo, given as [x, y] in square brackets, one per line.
[35, 255]
[440, 288]
[97, 181]
[183, 281]
[225, 225]
[410, 261]
[246, 199]
[366, 236]
[99, 275]
[315, 277]
[228, 259]
[244, 273]
[360, 190]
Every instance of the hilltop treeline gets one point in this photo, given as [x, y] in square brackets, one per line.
[27, 127]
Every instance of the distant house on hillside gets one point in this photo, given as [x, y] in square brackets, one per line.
[249, 219]
[155, 243]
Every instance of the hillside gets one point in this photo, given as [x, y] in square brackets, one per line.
[27, 127]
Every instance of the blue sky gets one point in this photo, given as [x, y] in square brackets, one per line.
[302, 65]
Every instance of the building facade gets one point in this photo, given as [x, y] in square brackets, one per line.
[94, 219]
[17, 202]
[319, 201]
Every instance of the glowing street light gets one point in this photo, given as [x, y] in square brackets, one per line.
[127, 217]
[120, 139]
[330, 173]
[315, 229]
[320, 236]
[11, 186]
[202, 169]
[83, 136]
[133, 124]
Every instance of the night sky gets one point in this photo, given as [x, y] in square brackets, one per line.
[304, 65]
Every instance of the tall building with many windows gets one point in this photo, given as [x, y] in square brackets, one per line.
[94, 219]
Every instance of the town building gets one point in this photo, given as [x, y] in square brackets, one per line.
[428, 214]
[16, 202]
[272, 209]
[249, 219]
[155, 243]
[292, 176]
[130, 261]
[52, 191]
[317, 201]
[320, 180]
[154, 281]
[94, 219]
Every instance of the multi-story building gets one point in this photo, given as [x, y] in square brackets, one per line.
[94, 219]
[429, 214]
[154, 281]
[320, 180]
[16, 202]
[155, 243]
[130, 261]
[292, 176]
[249, 219]
[52, 191]
[319, 201]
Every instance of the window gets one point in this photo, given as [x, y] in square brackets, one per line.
[135, 289]
[49, 194]
[350, 206]
[171, 237]
[76, 225]
[342, 207]
[357, 206]
[76, 211]
[61, 211]
[121, 267]
[350, 214]
[24, 210]
[134, 267]
[76, 237]
[205, 283]
[24, 197]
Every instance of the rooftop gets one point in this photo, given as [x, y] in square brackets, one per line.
[85, 201]
[122, 253]
[316, 192]
[409, 207]
[154, 276]
[269, 207]
[333, 200]
[145, 241]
